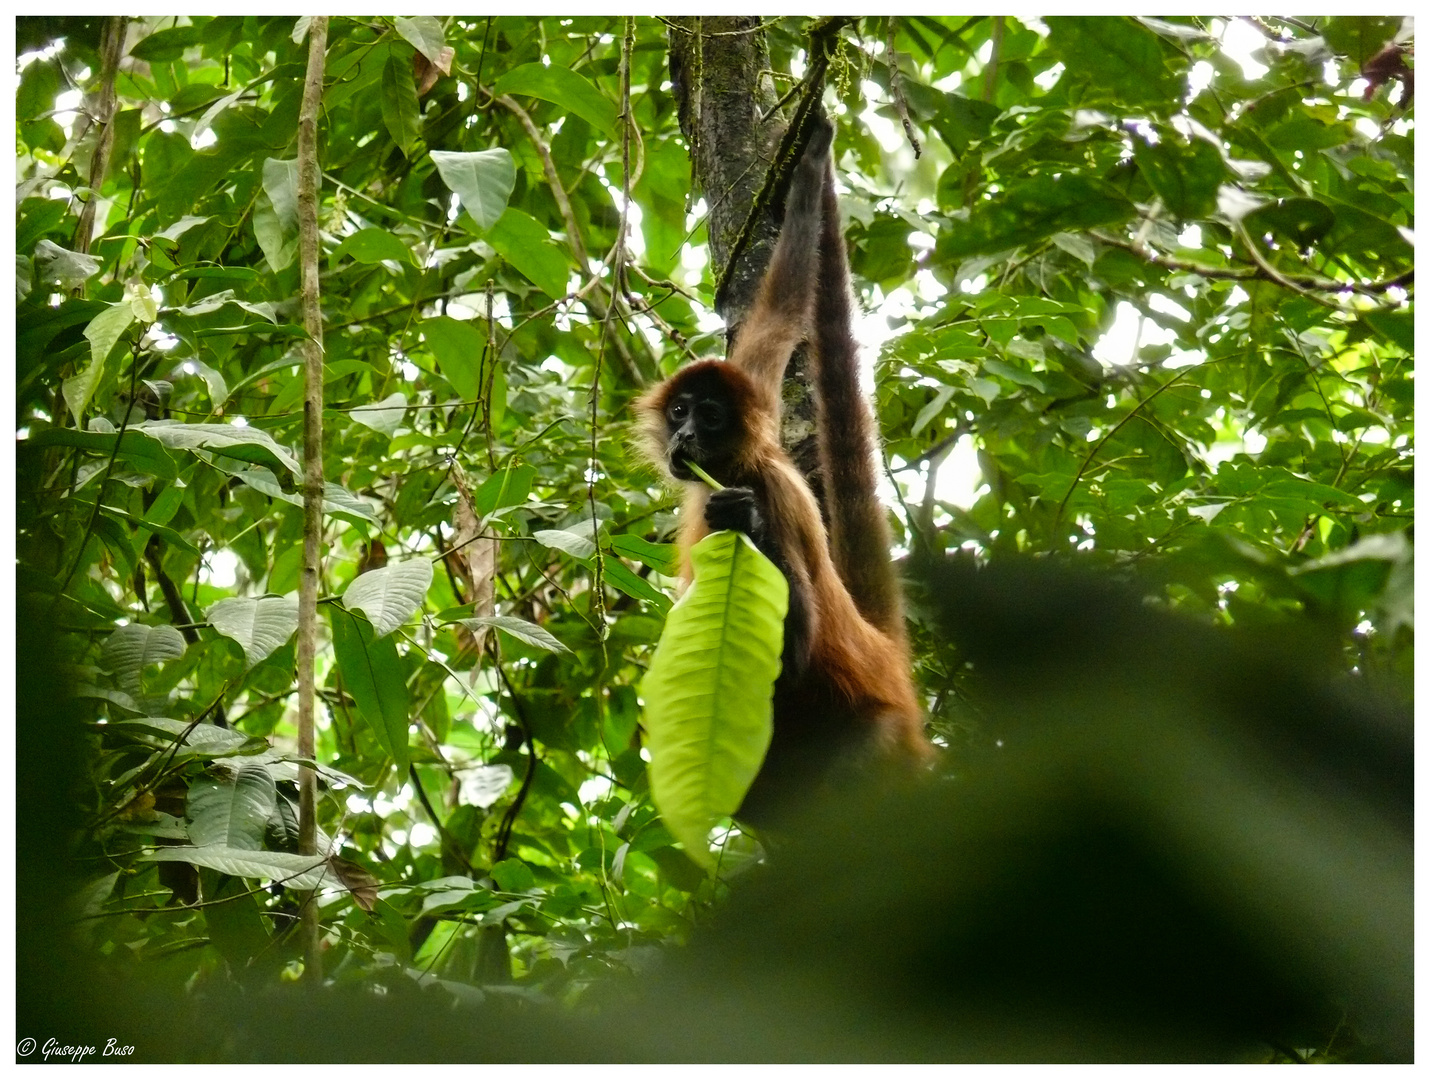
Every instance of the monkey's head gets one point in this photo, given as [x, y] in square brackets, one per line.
[709, 413]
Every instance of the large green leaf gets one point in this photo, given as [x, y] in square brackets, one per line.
[400, 112]
[525, 243]
[564, 87]
[483, 180]
[244, 443]
[1360, 36]
[1116, 58]
[233, 814]
[373, 674]
[102, 333]
[261, 625]
[131, 649]
[294, 871]
[458, 348]
[389, 595]
[275, 216]
[1034, 211]
[1185, 177]
[373, 245]
[708, 694]
[135, 447]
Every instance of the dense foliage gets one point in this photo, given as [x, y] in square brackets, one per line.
[1139, 289]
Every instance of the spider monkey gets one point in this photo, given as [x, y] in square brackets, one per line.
[845, 693]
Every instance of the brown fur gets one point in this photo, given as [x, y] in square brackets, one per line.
[855, 693]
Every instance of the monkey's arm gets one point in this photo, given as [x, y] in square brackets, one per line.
[780, 318]
[858, 528]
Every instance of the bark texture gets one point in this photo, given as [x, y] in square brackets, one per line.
[742, 153]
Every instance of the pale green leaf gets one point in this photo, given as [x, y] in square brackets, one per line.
[708, 693]
[535, 636]
[389, 595]
[275, 214]
[385, 416]
[577, 546]
[244, 443]
[130, 649]
[294, 871]
[65, 268]
[260, 625]
[231, 814]
[424, 33]
[102, 333]
[483, 180]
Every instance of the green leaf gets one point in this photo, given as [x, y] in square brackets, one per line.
[65, 268]
[509, 487]
[131, 649]
[564, 87]
[458, 348]
[1359, 36]
[275, 216]
[390, 595]
[233, 814]
[525, 243]
[535, 636]
[294, 871]
[513, 875]
[579, 547]
[1116, 57]
[483, 181]
[260, 625]
[708, 693]
[135, 447]
[385, 416]
[373, 674]
[1186, 178]
[620, 576]
[373, 245]
[243, 443]
[423, 33]
[1034, 211]
[199, 741]
[401, 113]
[165, 46]
[102, 333]
[1302, 221]
[662, 558]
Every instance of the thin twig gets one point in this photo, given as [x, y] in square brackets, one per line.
[891, 61]
[308, 182]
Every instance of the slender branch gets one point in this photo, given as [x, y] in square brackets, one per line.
[1092, 454]
[111, 46]
[1294, 282]
[891, 61]
[308, 180]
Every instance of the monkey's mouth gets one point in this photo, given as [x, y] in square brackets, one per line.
[680, 466]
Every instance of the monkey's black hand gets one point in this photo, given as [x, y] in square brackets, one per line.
[820, 137]
[735, 508]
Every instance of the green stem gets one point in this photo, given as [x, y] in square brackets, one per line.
[698, 471]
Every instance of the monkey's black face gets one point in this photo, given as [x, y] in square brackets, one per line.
[703, 426]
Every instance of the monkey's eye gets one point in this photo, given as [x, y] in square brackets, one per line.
[677, 411]
[711, 415]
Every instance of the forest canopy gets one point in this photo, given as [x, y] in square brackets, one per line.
[1135, 293]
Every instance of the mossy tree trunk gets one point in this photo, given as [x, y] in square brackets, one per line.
[740, 161]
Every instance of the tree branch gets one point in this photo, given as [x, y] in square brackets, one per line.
[308, 179]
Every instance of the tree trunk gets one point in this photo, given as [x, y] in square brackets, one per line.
[726, 103]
